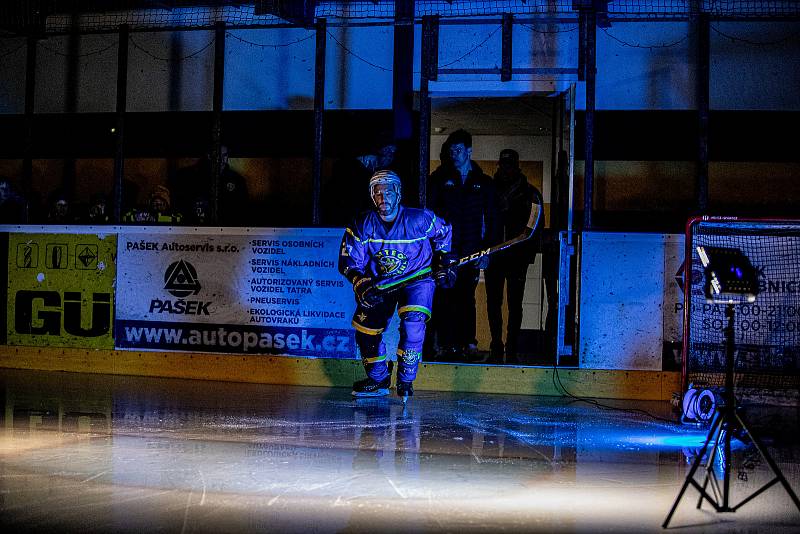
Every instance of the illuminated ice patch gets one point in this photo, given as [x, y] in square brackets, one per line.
[693, 439]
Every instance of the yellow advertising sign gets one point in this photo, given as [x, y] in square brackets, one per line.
[61, 290]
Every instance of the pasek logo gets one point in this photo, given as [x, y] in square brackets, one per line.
[180, 280]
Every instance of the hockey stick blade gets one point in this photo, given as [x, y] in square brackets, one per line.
[387, 286]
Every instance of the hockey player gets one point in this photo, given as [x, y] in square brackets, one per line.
[393, 242]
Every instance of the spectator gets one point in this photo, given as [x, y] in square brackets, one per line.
[59, 209]
[98, 210]
[464, 196]
[194, 182]
[13, 208]
[509, 268]
[158, 210]
[345, 195]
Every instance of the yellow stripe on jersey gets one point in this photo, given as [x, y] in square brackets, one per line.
[395, 241]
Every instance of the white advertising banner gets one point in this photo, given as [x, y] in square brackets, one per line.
[266, 290]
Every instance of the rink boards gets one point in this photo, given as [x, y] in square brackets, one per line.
[339, 372]
[263, 305]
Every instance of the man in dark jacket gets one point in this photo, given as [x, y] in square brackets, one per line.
[509, 267]
[194, 182]
[345, 195]
[464, 196]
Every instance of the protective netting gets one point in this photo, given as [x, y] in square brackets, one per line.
[467, 8]
[257, 14]
[192, 18]
[767, 331]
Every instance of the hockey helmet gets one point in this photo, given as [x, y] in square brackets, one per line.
[385, 177]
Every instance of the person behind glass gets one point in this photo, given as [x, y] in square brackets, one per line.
[158, 210]
[463, 195]
[194, 182]
[393, 242]
[98, 212]
[345, 195]
[13, 207]
[60, 209]
[509, 268]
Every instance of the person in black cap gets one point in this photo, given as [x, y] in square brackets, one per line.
[463, 195]
[509, 267]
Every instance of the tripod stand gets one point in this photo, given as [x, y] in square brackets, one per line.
[725, 422]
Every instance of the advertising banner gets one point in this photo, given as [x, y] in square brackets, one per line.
[60, 289]
[277, 291]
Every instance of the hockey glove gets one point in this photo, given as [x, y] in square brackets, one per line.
[367, 294]
[444, 270]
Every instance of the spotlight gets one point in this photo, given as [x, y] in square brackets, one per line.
[730, 277]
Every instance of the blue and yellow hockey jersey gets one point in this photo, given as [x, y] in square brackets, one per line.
[393, 250]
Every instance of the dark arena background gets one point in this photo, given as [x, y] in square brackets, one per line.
[177, 350]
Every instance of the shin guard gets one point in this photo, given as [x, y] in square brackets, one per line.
[373, 355]
[409, 351]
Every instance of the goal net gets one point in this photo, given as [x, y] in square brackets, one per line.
[767, 331]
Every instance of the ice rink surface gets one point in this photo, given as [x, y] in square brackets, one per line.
[99, 453]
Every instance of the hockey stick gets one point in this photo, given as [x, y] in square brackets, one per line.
[387, 286]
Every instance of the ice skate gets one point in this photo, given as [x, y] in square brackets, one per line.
[370, 388]
[405, 390]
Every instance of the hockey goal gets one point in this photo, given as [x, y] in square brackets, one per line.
[767, 331]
